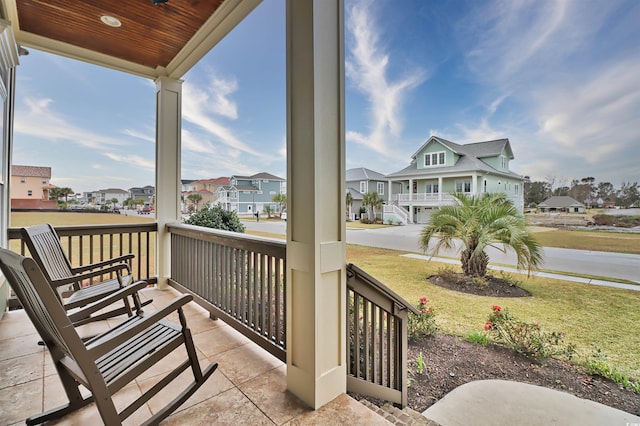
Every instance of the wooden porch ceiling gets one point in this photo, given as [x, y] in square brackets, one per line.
[153, 40]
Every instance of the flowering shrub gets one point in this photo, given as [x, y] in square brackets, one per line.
[424, 323]
[526, 338]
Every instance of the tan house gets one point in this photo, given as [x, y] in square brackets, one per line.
[30, 186]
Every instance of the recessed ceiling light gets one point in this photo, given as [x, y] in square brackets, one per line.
[111, 21]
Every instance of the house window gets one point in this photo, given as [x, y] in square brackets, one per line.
[44, 181]
[380, 188]
[363, 187]
[29, 193]
[463, 186]
[431, 188]
[23, 180]
[505, 164]
[485, 186]
[434, 159]
[517, 189]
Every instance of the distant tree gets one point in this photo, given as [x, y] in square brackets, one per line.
[129, 202]
[349, 201]
[216, 217]
[605, 191]
[628, 195]
[114, 201]
[374, 201]
[281, 199]
[268, 210]
[561, 191]
[54, 193]
[536, 192]
[65, 192]
[195, 199]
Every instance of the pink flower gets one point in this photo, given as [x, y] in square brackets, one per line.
[424, 311]
[487, 325]
[423, 300]
[496, 308]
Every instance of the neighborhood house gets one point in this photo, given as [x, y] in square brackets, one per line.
[440, 168]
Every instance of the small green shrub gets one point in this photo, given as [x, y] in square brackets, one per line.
[597, 365]
[216, 217]
[477, 338]
[424, 323]
[525, 338]
[420, 364]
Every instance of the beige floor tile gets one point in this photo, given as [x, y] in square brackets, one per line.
[20, 401]
[20, 346]
[269, 392]
[245, 363]
[218, 340]
[16, 325]
[216, 384]
[169, 362]
[343, 410]
[228, 408]
[21, 370]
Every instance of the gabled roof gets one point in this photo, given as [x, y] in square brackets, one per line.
[469, 158]
[262, 175]
[355, 194]
[362, 173]
[112, 191]
[31, 171]
[223, 180]
[559, 202]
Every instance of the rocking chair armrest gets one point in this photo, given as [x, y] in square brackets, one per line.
[89, 309]
[111, 339]
[90, 274]
[119, 259]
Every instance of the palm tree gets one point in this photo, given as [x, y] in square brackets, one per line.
[281, 199]
[349, 200]
[373, 200]
[195, 199]
[114, 201]
[481, 222]
[65, 192]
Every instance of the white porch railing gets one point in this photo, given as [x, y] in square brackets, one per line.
[425, 199]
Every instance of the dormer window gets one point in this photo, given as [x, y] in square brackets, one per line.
[434, 159]
[505, 162]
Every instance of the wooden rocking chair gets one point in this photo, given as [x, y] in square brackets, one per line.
[46, 249]
[108, 362]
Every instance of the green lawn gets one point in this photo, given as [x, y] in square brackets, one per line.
[588, 315]
[618, 242]
[20, 219]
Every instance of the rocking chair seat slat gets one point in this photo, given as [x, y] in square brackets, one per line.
[95, 292]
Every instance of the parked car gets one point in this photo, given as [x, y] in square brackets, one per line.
[146, 210]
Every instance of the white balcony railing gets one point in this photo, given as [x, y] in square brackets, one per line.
[425, 199]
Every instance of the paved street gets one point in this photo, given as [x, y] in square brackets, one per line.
[405, 238]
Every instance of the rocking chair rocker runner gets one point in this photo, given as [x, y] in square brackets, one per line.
[45, 248]
[107, 362]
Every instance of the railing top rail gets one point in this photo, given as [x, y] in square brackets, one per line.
[354, 271]
[74, 230]
[271, 246]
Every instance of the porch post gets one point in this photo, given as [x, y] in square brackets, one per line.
[168, 127]
[439, 188]
[316, 261]
[474, 184]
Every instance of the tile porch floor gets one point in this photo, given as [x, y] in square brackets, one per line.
[249, 386]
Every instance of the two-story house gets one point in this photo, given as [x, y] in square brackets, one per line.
[440, 168]
[146, 194]
[250, 194]
[206, 188]
[105, 196]
[30, 187]
[361, 180]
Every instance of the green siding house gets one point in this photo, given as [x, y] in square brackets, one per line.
[440, 168]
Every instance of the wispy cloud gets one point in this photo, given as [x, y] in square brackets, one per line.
[367, 68]
[202, 105]
[132, 160]
[38, 118]
[578, 92]
[148, 137]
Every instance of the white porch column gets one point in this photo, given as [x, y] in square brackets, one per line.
[168, 127]
[474, 184]
[389, 195]
[316, 250]
[439, 188]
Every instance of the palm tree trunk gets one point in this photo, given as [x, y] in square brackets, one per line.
[474, 266]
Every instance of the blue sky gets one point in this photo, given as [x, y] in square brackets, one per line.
[560, 79]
